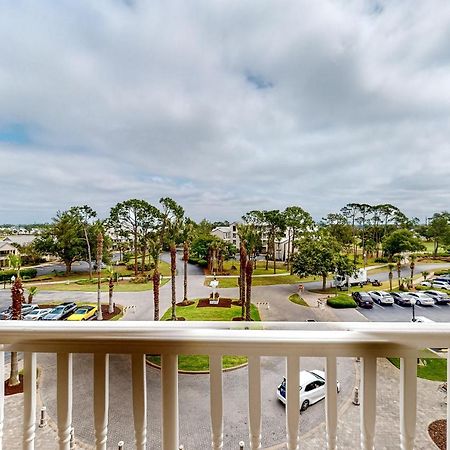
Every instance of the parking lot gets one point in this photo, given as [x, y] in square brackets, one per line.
[396, 313]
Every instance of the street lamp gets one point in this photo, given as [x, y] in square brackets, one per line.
[413, 302]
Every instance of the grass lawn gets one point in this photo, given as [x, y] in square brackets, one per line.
[435, 368]
[295, 298]
[232, 267]
[121, 286]
[260, 281]
[198, 363]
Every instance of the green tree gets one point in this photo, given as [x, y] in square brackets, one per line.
[412, 266]
[400, 241]
[187, 237]
[64, 239]
[99, 274]
[439, 230]
[317, 256]
[275, 225]
[337, 226]
[132, 218]
[298, 222]
[32, 291]
[172, 223]
[85, 215]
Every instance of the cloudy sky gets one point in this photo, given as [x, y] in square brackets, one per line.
[225, 105]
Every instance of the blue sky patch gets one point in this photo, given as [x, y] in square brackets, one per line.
[15, 134]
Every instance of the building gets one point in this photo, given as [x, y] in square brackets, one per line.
[6, 249]
[228, 233]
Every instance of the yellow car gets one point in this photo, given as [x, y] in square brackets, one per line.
[85, 312]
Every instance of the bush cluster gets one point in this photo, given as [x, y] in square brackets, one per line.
[147, 266]
[198, 261]
[341, 301]
[5, 275]
[381, 260]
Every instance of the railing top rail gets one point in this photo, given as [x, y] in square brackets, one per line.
[268, 338]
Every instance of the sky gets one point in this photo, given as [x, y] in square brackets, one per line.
[225, 106]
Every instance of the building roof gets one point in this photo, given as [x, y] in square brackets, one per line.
[6, 246]
[20, 239]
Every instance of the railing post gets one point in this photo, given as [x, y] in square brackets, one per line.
[254, 401]
[448, 400]
[216, 401]
[408, 401]
[368, 401]
[29, 409]
[169, 385]
[331, 402]
[101, 399]
[2, 393]
[138, 368]
[64, 398]
[292, 401]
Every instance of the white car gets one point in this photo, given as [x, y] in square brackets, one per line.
[436, 284]
[381, 297]
[312, 388]
[422, 299]
[37, 314]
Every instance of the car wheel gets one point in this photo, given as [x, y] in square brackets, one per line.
[418, 303]
[305, 405]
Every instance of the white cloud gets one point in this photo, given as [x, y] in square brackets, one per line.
[149, 99]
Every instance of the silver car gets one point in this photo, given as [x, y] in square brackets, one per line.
[37, 314]
[422, 299]
[381, 297]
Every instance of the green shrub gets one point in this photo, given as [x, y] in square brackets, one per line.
[341, 301]
[442, 272]
[139, 280]
[5, 275]
[381, 260]
[147, 266]
[202, 263]
[193, 260]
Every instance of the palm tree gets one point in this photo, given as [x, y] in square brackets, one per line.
[398, 260]
[32, 291]
[154, 251]
[99, 273]
[248, 290]
[17, 298]
[412, 265]
[391, 275]
[425, 274]
[242, 266]
[173, 270]
[110, 290]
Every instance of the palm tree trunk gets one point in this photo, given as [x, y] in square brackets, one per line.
[274, 256]
[88, 244]
[173, 268]
[248, 290]
[324, 281]
[289, 250]
[156, 284]
[135, 255]
[99, 270]
[185, 260]
[391, 275]
[111, 290]
[242, 265]
[144, 254]
[13, 379]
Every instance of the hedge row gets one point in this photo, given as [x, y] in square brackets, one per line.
[5, 275]
[341, 301]
[198, 261]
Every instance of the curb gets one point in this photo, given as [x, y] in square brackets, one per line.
[199, 372]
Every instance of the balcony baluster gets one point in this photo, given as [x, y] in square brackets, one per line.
[64, 399]
[216, 401]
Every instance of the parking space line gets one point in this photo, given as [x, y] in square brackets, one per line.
[379, 306]
[437, 306]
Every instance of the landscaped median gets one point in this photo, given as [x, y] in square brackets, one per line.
[295, 298]
[194, 312]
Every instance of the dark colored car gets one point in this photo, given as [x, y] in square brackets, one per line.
[401, 298]
[362, 299]
[61, 311]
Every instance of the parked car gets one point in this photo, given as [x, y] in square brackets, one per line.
[85, 312]
[26, 308]
[61, 311]
[381, 297]
[312, 388]
[401, 298]
[439, 297]
[422, 299]
[362, 299]
[439, 284]
[37, 314]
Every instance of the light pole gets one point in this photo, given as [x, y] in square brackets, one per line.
[413, 302]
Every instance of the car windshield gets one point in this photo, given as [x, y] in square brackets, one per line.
[385, 294]
[58, 309]
[82, 311]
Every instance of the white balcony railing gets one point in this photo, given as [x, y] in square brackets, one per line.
[290, 340]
